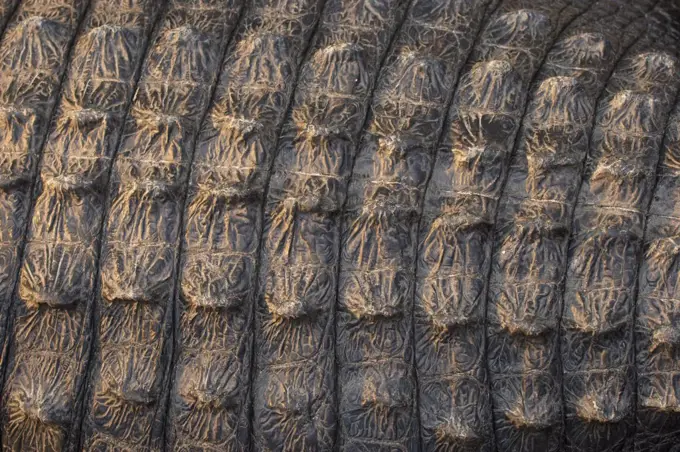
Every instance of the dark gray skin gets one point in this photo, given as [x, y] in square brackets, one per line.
[130, 373]
[605, 248]
[6, 10]
[358, 225]
[534, 220]
[377, 390]
[34, 51]
[210, 398]
[457, 225]
[46, 371]
[656, 319]
[294, 400]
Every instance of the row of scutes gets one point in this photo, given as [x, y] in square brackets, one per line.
[47, 346]
[294, 368]
[209, 402]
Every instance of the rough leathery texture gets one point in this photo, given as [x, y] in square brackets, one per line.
[294, 400]
[374, 342]
[534, 220]
[211, 392]
[458, 216]
[33, 55]
[353, 225]
[658, 314]
[606, 244]
[52, 331]
[657, 326]
[129, 379]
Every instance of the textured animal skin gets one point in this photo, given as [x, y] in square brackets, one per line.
[340, 225]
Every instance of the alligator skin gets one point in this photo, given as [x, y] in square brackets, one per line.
[606, 242]
[657, 319]
[294, 368]
[356, 225]
[534, 220]
[34, 50]
[128, 381]
[374, 345]
[6, 11]
[210, 400]
[456, 233]
[52, 328]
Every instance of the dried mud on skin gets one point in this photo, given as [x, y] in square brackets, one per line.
[52, 331]
[439, 225]
[129, 379]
